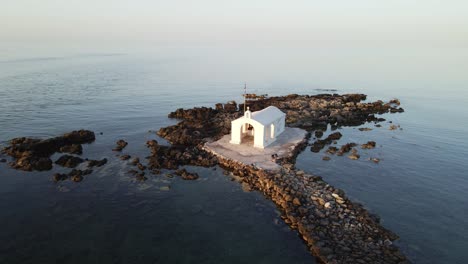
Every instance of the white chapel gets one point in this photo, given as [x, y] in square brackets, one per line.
[264, 125]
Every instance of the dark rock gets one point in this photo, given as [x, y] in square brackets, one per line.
[60, 177]
[125, 157]
[141, 166]
[77, 177]
[186, 175]
[326, 251]
[121, 144]
[96, 163]
[28, 162]
[3, 160]
[334, 136]
[395, 101]
[296, 201]
[230, 107]
[74, 175]
[72, 149]
[317, 146]
[321, 143]
[141, 176]
[318, 133]
[219, 107]
[346, 148]
[69, 161]
[80, 172]
[397, 110]
[332, 150]
[135, 161]
[171, 157]
[368, 145]
[34, 154]
[79, 137]
[133, 172]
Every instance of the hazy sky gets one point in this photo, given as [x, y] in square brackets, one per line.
[240, 22]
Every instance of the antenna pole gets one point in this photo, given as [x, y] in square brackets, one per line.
[245, 95]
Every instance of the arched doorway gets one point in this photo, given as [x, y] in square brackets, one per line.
[247, 134]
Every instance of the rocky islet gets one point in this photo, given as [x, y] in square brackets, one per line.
[335, 229]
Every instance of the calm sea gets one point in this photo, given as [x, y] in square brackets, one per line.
[419, 188]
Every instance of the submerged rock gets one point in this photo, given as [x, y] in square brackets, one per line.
[121, 144]
[69, 161]
[171, 157]
[141, 166]
[368, 145]
[125, 157]
[74, 175]
[354, 156]
[29, 162]
[318, 133]
[334, 136]
[96, 163]
[332, 150]
[135, 161]
[346, 148]
[140, 176]
[60, 177]
[164, 188]
[34, 154]
[72, 149]
[186, 175]
[77, 177]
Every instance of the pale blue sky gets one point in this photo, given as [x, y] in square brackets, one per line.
[241, 22]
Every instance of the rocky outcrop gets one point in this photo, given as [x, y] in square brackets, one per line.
[319, 144]
[184, 174]
[368, 145]
[303, 111]
[34, 154]
[120, 145]
[96, 163]
[198, 124]
[346, 148]
[69, 161]
[171, 157]
[74, 175]
[72, 149]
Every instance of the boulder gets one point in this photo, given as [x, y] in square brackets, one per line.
[69, 161]
[120, 145]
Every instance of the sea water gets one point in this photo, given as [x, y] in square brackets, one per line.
[419, 188]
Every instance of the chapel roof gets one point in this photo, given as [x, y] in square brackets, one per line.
[268, 115]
